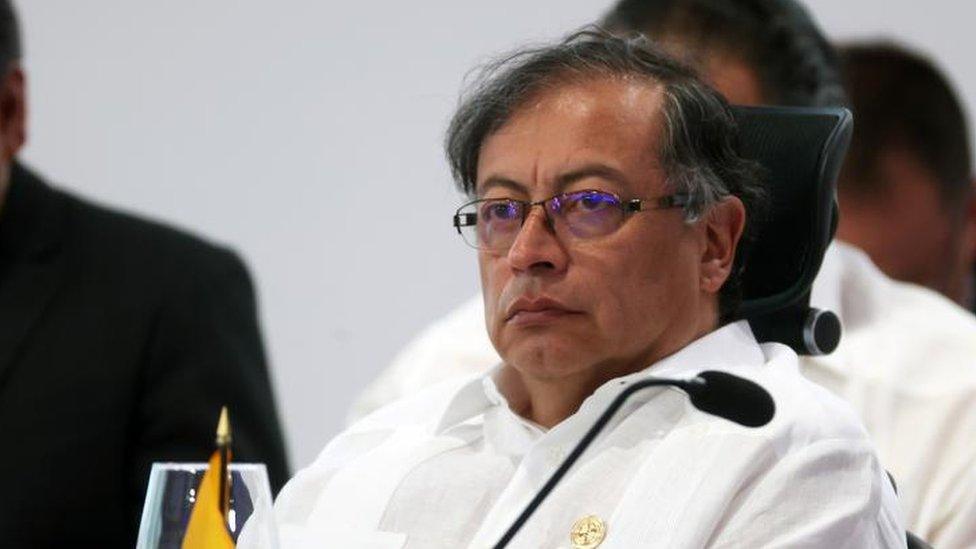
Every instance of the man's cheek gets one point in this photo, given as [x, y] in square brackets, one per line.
[492, 296]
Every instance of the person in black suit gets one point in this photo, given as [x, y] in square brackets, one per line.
[119, 341]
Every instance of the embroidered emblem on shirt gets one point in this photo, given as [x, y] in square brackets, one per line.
[588, 532]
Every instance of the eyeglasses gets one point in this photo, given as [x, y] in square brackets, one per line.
[494, 223]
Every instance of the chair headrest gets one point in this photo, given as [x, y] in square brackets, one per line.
[801, 150]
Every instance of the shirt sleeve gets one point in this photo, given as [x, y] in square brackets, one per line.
[298, 498]
[830, 493]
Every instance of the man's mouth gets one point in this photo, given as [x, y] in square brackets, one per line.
[536, 310]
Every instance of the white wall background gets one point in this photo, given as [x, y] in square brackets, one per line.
[306, 134]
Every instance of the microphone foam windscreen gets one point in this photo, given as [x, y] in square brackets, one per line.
[733, 398]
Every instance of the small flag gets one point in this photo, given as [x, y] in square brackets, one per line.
[207, 528]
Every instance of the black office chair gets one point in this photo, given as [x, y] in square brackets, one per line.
[801, 150]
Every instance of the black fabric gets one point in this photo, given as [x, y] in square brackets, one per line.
[119, 341]
[800, 150]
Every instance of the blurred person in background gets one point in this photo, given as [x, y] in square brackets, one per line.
[907, 359]
[120, 339]
[907, 190]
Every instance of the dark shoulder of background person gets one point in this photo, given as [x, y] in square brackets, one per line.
[120, 339]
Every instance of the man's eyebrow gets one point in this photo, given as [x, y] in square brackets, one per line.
[563, 181]
[590, 170]
[498, 181]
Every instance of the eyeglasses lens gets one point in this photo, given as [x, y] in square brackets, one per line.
[586, 214]
[590, 214]
[497, 223]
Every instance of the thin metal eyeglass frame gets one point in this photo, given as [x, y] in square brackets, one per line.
[633, 205]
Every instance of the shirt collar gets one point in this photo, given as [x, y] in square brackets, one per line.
[731, 347]
[469, 401]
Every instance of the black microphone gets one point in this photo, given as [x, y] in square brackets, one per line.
[717, 393]
[731, 397]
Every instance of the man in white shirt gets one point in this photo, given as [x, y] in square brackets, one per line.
[907, 188]
[903, 364]
[907, 359]
[609, 208]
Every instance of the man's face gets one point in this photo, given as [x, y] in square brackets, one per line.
[13, 113]
[559, 306]
[725, 71]
[908, 230]
[13, 121]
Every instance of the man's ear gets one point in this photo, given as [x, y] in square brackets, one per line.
[724, 225]
[13, 113]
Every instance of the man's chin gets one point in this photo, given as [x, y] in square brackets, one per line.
[546, 355]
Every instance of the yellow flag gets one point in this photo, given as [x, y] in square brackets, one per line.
[207, 529]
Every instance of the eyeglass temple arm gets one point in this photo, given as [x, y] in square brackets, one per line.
[465, 220]
[670, 201]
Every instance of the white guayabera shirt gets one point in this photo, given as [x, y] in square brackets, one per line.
[906, 363]
[453, 466]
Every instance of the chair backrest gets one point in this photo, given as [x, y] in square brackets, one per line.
[801, 150]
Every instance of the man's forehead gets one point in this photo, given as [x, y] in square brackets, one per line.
[591, 110]
[595, 95]
[610, 122]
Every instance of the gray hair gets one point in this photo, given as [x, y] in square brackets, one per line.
[699, 149]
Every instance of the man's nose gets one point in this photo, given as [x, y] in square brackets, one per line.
[536, 247]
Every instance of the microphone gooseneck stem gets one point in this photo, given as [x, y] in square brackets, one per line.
[588, 438]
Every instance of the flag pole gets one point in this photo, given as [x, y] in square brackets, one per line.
[223, 447]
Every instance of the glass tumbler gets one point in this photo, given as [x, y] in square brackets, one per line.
[172, 493]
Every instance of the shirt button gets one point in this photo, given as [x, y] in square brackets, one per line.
[588, 532]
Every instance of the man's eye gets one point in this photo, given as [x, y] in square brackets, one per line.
[594, 202]
[502, 211]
